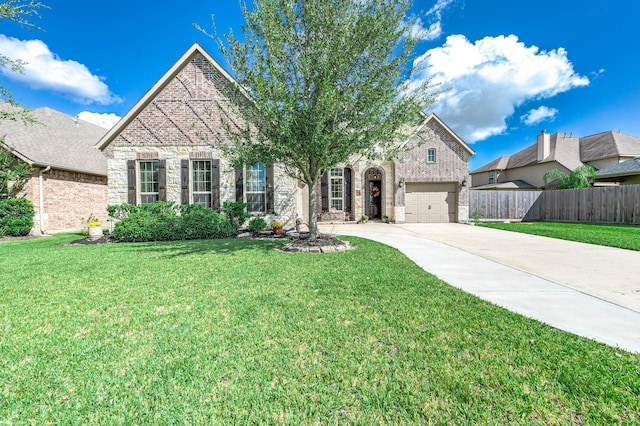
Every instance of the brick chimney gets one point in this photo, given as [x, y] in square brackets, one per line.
[544, 145]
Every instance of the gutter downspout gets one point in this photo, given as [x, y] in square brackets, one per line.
[41, 191]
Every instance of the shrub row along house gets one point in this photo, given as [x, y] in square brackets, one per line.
[168, 147]
[69, 179]
[612, 154]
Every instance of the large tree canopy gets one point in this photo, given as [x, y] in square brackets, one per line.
[326, 79]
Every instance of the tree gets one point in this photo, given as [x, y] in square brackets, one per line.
[581, 177]
[18, 11]
[326, 79]
[14, 173]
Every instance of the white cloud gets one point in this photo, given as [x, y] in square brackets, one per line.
[433, 29]
[420, 32]
[105, 120]
[539, 114]
[45, 70]
[486, 80]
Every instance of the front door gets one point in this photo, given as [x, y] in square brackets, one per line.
[374, 199]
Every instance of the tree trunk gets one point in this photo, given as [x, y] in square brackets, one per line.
[313, 218]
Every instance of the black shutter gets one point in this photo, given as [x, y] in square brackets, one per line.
[348, 203]
[270, 189]
[162, 180]
[215, 185]
[184, 181]
[239, 184]
[324, 191]
[131, 181]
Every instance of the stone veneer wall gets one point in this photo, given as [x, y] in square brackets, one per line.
[284, 188]
[69, 199]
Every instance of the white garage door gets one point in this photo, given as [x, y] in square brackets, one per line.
[430, 202]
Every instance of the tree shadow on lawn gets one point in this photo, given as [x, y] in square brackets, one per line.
[174, 249]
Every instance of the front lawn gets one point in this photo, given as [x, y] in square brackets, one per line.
[231, 331]
[621, 236]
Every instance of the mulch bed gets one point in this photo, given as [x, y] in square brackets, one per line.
[324, 243]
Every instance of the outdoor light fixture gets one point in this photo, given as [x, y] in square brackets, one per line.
[464, 182]
[401, 183]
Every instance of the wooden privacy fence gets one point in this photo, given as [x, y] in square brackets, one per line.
[502, 205]
[610, 204]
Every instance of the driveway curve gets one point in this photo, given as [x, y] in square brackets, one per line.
[589, 290]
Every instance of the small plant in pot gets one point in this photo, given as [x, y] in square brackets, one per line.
[276, 226]
[385, 219]
[364, 218]
[95, 229]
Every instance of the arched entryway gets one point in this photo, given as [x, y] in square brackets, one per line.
[373, 193]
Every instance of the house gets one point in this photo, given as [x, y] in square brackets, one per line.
[167, 147]
[565, 152]
[625, 173]
[69, 180]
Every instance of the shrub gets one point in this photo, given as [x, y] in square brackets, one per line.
[257, 224]
[236, 213]
[147, 226]
[200, 223]
[16, 216]
[165, 221]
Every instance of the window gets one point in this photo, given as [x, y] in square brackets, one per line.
[336, 191]
[256, 188]
[492, 177]
[201, 182]
[431, 155]
[148, 182]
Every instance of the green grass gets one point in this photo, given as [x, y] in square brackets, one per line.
[235, 332]
[621, 236]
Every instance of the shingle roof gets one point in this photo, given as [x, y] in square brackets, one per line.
[512, 184]
[608, 144]
[570, 151]
[628, 167]
[58, 140]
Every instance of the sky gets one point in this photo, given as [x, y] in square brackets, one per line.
[507, 69]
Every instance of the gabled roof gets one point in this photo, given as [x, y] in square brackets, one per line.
[608, 144]
[626, 168]
[512, 184]
[152, 93]
[436, 119]
[57, 140]
[569, 151]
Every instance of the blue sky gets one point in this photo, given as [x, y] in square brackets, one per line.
[510, 67]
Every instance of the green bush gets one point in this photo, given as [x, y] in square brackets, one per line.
[236, 212]
[200, 223]
[16, 216]
[147, 226]
[257, 224]
[166, 221]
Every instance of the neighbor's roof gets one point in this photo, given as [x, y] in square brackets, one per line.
[514, 184]
[608, 144]
[626, 168]
[569, 151]
[57, 140]
[152, 93]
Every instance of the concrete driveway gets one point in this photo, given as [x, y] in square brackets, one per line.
[589, 290]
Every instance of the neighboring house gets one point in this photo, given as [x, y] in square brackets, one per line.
[69, 181]
[526, 168]
[625, 173]
[167, 147]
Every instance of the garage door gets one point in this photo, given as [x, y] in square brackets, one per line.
[430, 202]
